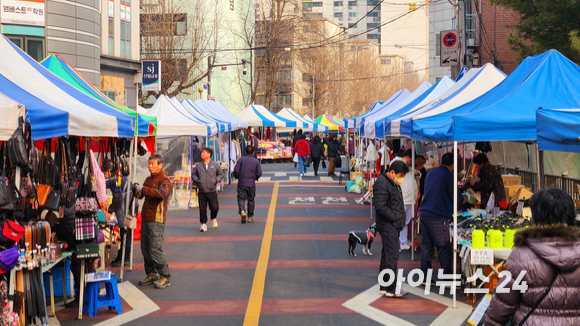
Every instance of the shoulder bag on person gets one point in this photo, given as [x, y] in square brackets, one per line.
[522, 322]
[338, 161]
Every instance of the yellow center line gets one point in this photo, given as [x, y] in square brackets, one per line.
[255, 303]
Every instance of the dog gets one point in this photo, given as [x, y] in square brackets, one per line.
[363, 237]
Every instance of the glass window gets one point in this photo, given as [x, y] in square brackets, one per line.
[437, 43]
[372, 3]
[374, 14]
[374, 25]
[126, 34]
[111, 36]
[352, 3]
[352, 14]
[16, 40]
[338, 14]
[35, 48]
[317, 4]
[338, 3]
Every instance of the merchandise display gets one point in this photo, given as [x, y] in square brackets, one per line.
[270, 150]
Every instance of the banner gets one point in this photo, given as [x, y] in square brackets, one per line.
[17, 12]
[151, 75]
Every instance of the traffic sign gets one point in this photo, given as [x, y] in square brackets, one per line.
[449, 48]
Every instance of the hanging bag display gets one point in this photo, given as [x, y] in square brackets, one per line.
[85, 228]
[5, 193]
[87, 251]
[9, 258]
[44, 187]
[17, 147]
[12, 230]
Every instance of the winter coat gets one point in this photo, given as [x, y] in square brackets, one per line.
[389, 205]
[316, 150]
[156, 190]
[490, 181]
[438, 197]
[248, 171]
[302, 148]
[332, 147]
[207, 179]
[540, 252]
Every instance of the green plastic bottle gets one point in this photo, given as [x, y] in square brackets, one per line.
[478, 238]
[509, 238]
[494, 238]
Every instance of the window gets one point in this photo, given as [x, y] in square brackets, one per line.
[386, 61]
[373, 3]
[338, 14]
[317, 15]
[351, 25]
[109, 94]
[32, 45]
[437, 78]
[338, 3]
[317, 4]
[126, 29]
[376, 37]
[376, 26]
[307, 7]
[111, 36]
[352, 3]
[352, 14]
[374, 14]
[181, 24]
[437, 44]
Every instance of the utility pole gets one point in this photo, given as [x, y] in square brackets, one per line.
[208, 77]
[312, 79]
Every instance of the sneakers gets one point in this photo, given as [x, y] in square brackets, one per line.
[250, 219]
[404, 247]
[243, 215]
[300, 176]
[162, 283]
[394, 295]
[214, 223]
[150, 279]
[203, 228]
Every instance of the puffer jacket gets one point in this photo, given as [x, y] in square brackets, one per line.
[302, 148]
[490, 181]
[207, 179]
[389, 204]
[540, 251]
[316, 150]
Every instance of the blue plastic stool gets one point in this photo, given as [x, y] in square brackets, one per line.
[111, 299]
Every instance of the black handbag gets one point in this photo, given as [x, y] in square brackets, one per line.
[324, 164]
[338, 161]
[53, 200]
[17, 147]
[5, 193]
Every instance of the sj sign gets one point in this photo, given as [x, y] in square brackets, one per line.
[449, 48]
[151, 75]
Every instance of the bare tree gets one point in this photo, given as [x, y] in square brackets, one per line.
[181, 34]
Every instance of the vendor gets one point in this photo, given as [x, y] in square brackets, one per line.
[489, 181]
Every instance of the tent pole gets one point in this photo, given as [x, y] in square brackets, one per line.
[539, 167]
[504, 161]
[453, 288]
[134, 177]
[414, 199]
[190, 170]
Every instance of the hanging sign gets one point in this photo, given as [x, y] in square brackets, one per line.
[151, 75]
[449, 48]
[17, 12]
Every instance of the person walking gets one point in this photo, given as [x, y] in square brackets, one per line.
[247, 171]
[303, 151]
[254, 142]
[409, 188]
[206, 175]
[333, 155]
[316, 153]
[390, 218]
[155, 190]
[436, 210]
[547, 253]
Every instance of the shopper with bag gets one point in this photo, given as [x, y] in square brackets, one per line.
[547, 253]
[303, 151]
[316, 153]
[155, 190]
[332, 148]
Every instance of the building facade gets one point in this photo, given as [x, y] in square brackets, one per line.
[493, 32]
[441, 17]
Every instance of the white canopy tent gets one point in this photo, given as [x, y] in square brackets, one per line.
[259, 116]
[171, 122]
[11, 110]
[301, 123]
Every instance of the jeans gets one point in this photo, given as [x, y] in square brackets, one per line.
[403, 236]
[389, 255]
[246, 193]
[316, 163]
[152, 235]
[435, 232]
[301, 161]
[210, 198]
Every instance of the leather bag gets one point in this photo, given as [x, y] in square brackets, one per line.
[17, 147]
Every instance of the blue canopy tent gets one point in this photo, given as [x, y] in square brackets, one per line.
[54, 107]
[199, 112]
[395, 98]
[558, 130]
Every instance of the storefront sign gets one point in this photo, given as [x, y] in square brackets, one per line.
[151, 75]
[17, 12]
[449, 48]
[481, 257]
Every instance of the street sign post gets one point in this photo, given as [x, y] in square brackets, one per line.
[151, 75]
[449, 48]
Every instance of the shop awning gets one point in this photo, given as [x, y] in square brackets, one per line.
[326, 121]
[54, 107]
[60, 67]
[11, 110]
[259, 116]
[173, 121]
[301, 123]
[474, 83]
[196, 116]
[558, 130]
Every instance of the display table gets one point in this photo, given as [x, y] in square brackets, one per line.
[48, 268]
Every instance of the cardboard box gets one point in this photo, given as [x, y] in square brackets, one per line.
[511, 180]
[510, 191]
[355, 175]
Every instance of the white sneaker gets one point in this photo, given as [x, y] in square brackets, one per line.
[203, 228]
[394, 295]
[214, 223]
[405, 247]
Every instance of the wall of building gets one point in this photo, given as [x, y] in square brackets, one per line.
[495, 19]
[441, 14]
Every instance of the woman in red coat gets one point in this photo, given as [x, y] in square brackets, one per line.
[303, 149]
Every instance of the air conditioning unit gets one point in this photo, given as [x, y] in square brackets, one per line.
[349, 8]
[339, 18]
[377, 19]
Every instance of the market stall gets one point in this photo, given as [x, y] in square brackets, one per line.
[328, 122]
[301, 123]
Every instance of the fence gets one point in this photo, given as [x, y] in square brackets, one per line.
[530, 180]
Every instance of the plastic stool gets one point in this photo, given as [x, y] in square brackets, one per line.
[111, 299]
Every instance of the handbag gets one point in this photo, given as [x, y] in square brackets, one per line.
[131, 217]
[85, 228]
[308, 161]
[12, 230]
[87, 250]
[338, 161]
[295, 159]
[5, 193]
[53, 200]
[86, 205]
[44, 187]
[17, 147]
[324, 164]
[9, 258]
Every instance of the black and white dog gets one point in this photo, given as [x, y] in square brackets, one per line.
[363, 237]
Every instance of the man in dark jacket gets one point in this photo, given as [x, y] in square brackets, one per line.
[436, 210]
[248, 171]
[390, 215]
[206, 175]
[332, 149]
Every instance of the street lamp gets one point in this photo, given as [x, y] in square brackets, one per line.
[209, 66]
